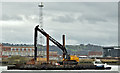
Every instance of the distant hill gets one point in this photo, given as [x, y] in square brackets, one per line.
[72, 49]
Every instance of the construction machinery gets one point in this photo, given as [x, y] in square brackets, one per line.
[70, 62]
[67, 59]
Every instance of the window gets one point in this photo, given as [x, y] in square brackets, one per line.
[15, 49]
[97, 62]
[16, 53]
[109, 50]
[11, 49]
[30, 49]
[26, 54]
[18, 49]
[19, 53]
[22, 49]
[10, 53]
[26, 49]
[4, 49]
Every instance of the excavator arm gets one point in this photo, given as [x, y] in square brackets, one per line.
[50, 38]
[67, 59]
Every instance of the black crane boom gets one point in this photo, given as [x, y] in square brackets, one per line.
[50, 38]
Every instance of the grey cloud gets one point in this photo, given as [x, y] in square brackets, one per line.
[64, 19]
[9, 17]
[91, 18]
[66, 24]
[18, 34]
[91, 12]
[20, 8]
[30, 18]
[88, 35]
[119, 24]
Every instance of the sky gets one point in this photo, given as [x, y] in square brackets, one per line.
[81, 22]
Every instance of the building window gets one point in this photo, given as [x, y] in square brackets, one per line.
[10, 54]
[26, 49]
[109, 50]
[15, 49]
[22, 49]
[30, 49]
[18, 49]
[11, 49]
[19, 53]
[16, 53]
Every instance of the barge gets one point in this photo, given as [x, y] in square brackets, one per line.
[54, 67]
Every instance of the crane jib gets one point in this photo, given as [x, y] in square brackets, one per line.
[52, 39]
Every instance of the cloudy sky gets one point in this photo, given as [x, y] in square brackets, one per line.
[81, 22]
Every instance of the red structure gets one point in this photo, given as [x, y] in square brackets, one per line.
[47, 48]
[6, 51]
[95, 54]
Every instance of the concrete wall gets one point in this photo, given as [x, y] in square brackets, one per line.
[111, 53]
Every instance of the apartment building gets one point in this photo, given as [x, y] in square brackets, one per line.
[23, 50]
[16, 50]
